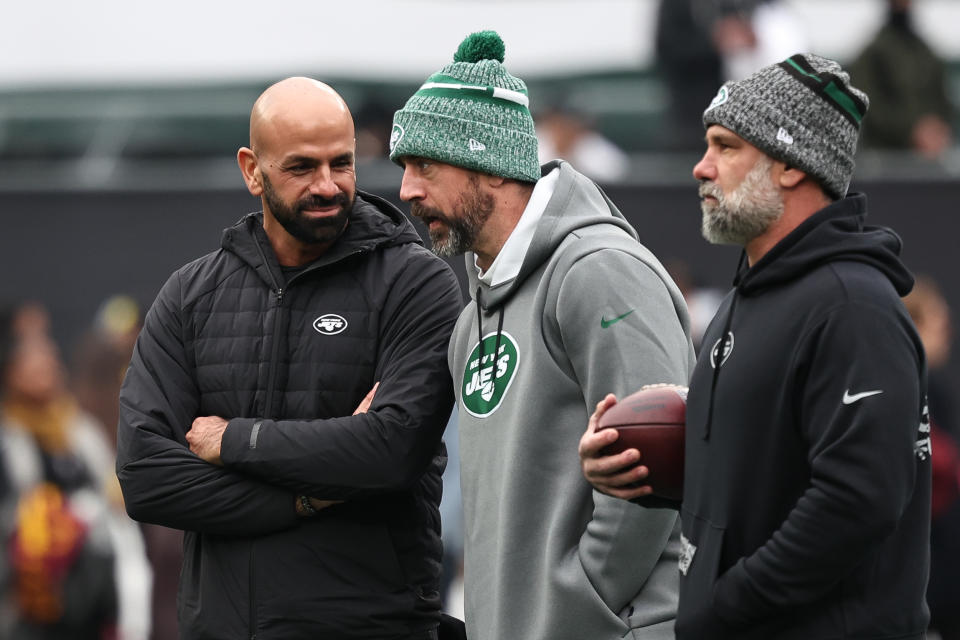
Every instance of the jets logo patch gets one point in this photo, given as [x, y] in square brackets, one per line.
[396, 135]
[718, 99]
[921, 448]
[687, 551]
[487, 378]
[721, 350]
[330, 324]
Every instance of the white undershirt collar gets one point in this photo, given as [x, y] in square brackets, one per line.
[506, 265]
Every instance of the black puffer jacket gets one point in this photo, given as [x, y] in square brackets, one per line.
[287, 364]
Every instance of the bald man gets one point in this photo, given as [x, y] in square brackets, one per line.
[286, 399]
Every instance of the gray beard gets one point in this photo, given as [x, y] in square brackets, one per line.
[745, 214]
[461, 229]
[457, 240]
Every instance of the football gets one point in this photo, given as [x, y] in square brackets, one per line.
[653, 421]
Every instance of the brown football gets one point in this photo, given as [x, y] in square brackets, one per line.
[653, 421]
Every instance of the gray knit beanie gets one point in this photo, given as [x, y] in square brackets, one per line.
[471, 114]
[802, 111]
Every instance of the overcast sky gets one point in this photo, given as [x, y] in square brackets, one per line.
[95, 41]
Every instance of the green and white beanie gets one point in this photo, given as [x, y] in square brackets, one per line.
[802, 111]
[471, 114]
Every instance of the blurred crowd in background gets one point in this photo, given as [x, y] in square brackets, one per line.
[75, 566]
[699, 44]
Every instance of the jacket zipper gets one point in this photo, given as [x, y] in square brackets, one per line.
[274, 354]
[267, 414]
[253, 599]
[278, 292]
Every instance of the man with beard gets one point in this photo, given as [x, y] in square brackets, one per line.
[806, 499]
[567, 304]
[310, 506]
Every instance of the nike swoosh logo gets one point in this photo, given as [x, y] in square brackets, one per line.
[606, 323]
[850, 399]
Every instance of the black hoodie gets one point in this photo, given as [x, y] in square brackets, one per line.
[807, 481]
[287, 360]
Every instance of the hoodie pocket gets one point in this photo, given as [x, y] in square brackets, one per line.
[701, 548]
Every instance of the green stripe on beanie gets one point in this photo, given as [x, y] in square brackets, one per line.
[847, 102]
[802, 111]
[471, 114]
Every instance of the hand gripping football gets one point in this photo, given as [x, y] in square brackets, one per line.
[653, 421]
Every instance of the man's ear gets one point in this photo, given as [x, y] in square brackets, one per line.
[493, 181]
[791, 176]
[250, 169]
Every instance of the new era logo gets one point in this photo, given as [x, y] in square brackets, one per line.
[784, 136]
[476, 145]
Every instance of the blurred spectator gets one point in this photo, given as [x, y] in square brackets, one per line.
[373, 121]
[906, 82]
[165, 553]
[99, 363]
[690, 66]
[567, 133]
[75, 563]
[101, 359]
[702, 43]
[931, 315]
[702, 302]
[753, 34]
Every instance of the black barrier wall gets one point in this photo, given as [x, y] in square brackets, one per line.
[70, 251]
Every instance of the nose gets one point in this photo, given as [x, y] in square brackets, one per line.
[411, 188]
[706, 169]
[323, 184]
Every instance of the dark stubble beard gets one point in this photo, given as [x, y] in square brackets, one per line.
[747, 212]
[460, 229]
[305, 229]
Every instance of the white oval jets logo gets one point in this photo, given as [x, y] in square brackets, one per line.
[487, 378]
[330, 324]
[721, 350]
[396, 135]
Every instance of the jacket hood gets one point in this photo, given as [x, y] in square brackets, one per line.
[374, 222]
[835, 233]
[577, 202]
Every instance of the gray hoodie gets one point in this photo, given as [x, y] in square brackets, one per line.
[592, 311]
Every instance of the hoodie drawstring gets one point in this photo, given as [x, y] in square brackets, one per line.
[718, 358]
[496, 348]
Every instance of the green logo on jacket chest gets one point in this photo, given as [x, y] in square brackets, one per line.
[486, 378]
